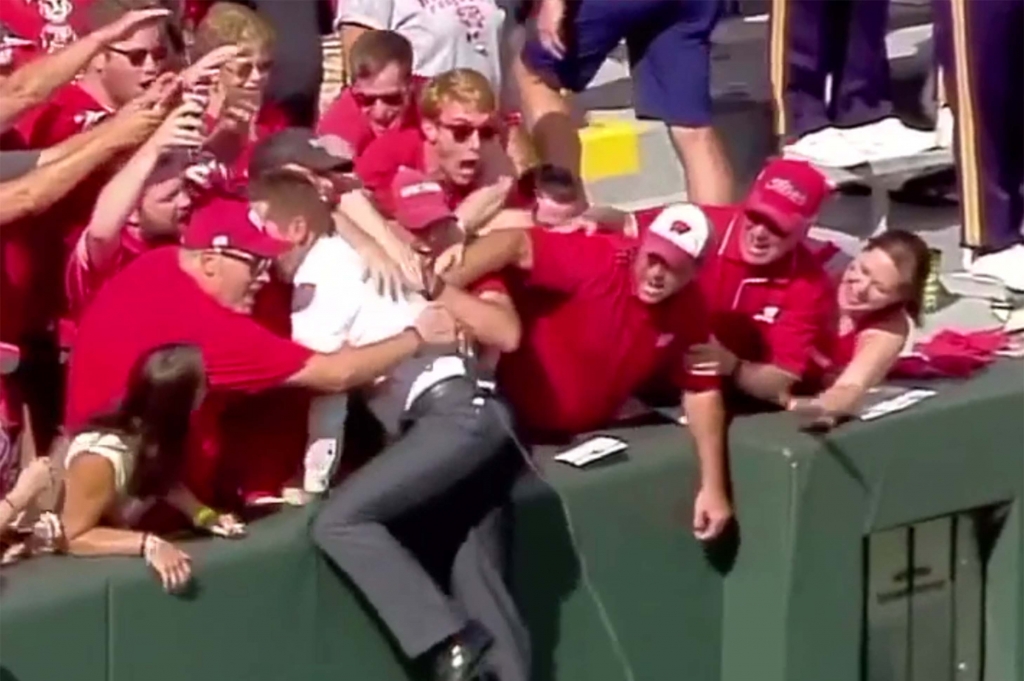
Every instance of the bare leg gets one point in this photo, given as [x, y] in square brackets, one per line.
[709, 177]
[548, 115]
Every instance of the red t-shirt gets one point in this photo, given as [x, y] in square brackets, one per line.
[82, 279]
[380, 161]
[345, 119]
[152, 303]
[236, 153]
[770, 314]
[588, 342]
[35, 250]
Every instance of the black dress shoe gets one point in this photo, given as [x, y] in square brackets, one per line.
[459, 658]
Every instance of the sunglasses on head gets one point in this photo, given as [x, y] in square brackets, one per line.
[137, 57]
[463, 131]
[364, 99]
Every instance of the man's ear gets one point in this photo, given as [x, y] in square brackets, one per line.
[209, 263]
[298, 230]
[430, 131]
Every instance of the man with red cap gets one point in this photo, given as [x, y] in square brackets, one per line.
[450, 446]
[201, 293]
[601, 318]
[769, 294]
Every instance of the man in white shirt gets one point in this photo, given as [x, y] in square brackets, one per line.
[447, 472]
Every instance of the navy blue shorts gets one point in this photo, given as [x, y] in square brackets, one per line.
[669, 45]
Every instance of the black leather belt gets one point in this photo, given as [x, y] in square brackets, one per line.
[444, 389]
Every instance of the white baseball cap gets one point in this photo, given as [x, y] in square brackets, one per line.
[678, 235]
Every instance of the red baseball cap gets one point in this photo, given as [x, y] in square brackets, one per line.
[678, 234]
[419, 201]
[789, 193]
[230, 225]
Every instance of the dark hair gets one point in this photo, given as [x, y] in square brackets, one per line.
[374, 50]
[554, 181]
[290, 195]
[154, 416]
[913, 260]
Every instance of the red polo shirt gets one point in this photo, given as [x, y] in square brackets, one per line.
[770, 314]
[346, 119]
[588, 342]
[152, 303]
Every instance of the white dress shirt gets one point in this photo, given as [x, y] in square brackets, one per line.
[333, 307]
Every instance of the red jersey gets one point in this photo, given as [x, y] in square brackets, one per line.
[152, 303]
[345, 118]
[35, 250]
[588, 342]
[769, 314]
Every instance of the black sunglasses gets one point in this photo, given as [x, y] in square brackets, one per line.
[137, 57]
[257, 265]
[463, 131]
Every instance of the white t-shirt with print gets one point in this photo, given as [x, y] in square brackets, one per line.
[445, 34]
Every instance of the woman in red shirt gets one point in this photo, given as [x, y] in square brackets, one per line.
[880, 297]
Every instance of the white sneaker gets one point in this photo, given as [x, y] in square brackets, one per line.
[888, 138]
[1006, 266]
[826, 147]
[944, 126]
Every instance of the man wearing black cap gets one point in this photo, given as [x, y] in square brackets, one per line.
[327, 162]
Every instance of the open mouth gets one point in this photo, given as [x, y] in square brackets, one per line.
[652, 289]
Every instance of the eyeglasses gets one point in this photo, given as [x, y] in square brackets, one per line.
[137, 57]
[257, 266]
[463, 131]
[243, 69]
[365, 100]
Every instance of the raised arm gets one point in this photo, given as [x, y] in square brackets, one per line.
[120, 196]
[32, 84]
[39, 189]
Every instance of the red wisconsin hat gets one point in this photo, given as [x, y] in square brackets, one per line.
[230, 225]
[788, 193]
[419, 201]
[679, 234]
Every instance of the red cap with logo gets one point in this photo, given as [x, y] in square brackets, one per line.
[678, 235]
[788, 193]
[419, 201]
[230, 225]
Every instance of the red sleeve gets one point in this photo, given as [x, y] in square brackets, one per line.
[243, 356]
[693, 328]
[565, 262]
[806, 309]
[380, 161]
[344, 119]
[490, 282]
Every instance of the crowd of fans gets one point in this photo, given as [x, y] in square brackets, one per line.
[209, 310]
